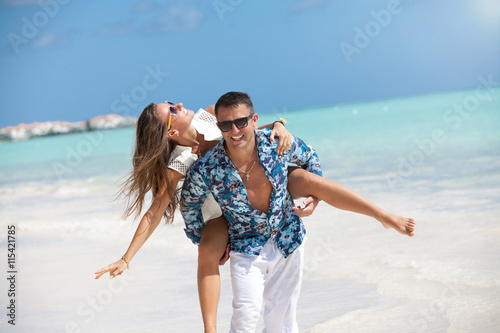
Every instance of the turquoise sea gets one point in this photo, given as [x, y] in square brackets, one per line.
[434, 157]
[430, 137]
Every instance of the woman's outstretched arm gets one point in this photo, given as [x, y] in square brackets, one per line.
[146, 227]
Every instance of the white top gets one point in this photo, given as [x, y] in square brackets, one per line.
[182, 157]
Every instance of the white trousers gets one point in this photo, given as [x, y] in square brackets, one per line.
[271, 278]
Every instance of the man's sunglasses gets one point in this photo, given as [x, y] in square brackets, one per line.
[226, 126]
[173, 111]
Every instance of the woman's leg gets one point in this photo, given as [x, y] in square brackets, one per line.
[302, 183]
[213, 242]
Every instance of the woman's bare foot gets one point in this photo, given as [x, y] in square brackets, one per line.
[403, 225]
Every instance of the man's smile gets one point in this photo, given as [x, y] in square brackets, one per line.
[237, 138]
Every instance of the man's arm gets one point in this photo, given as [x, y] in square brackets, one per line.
[193, 195]
[305, 157]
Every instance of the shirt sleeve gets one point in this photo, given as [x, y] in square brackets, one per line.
[181, 159]
[304, 156]
[193, 195]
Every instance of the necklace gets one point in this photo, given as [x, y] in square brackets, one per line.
[247, 173]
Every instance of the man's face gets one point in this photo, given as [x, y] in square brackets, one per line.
[238, 139]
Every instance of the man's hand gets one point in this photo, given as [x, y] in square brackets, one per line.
[310, 205]
[225, 257]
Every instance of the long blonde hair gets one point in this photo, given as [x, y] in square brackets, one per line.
[150, 162]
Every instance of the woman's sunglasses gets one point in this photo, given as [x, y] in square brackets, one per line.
[225, 126]
[173, 111]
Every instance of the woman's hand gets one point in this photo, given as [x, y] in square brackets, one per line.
[114, 269]
[310, 205]
[285, 137]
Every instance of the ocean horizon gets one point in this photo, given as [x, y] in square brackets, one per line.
[432, 157]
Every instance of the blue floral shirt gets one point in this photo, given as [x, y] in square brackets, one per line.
[249, 228]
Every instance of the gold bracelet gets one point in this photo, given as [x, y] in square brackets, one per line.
[123, 258]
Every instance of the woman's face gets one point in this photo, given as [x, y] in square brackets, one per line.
[179, 121]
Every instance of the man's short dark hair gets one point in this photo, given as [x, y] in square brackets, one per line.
[233, 99]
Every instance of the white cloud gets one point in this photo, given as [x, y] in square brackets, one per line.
[47, 39]
[151, 18]
[176, 18]
[119, 28]
[12, 3]
[300, 5]
[144, 6]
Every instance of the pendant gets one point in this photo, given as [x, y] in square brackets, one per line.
[248, 176]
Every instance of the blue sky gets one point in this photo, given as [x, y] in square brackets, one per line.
[72, 59]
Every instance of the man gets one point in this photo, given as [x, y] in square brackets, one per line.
[248, 179]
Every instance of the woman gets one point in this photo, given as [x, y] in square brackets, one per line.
[169, 138]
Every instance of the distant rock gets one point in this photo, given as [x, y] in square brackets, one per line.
[26, 131]
[110, 121]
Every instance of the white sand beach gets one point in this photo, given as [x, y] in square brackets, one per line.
[359, 277]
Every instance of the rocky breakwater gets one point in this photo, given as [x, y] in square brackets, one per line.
[26, 131]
